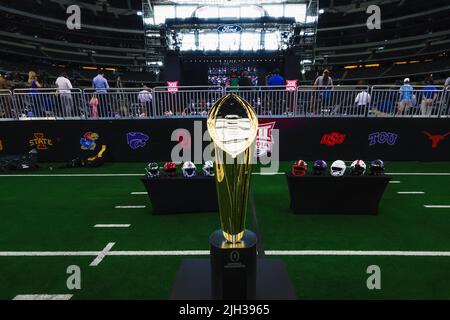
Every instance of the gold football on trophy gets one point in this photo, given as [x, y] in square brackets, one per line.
[233, 126]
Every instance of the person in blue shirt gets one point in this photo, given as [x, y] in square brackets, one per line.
[406, 97]
[100, 84]
[276, 79]
[429, 94]
[101, 87]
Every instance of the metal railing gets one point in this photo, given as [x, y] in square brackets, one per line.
[163, 102]
[184, 101]
[48, 104]
[422, 101]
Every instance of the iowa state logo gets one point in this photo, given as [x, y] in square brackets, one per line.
[1, 145]
[333, 139]
[40, 142]
[264, 139]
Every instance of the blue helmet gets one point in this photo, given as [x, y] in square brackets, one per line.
[377, 167]
[319, 167]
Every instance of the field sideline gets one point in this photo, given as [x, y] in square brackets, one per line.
[100, 219]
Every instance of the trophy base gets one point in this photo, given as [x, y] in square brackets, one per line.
[233, 267]
[193, 281]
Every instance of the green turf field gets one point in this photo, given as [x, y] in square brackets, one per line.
[47, 224]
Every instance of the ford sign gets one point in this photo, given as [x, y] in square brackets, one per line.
[229, 28]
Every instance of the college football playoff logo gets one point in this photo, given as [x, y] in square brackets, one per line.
[264, 139]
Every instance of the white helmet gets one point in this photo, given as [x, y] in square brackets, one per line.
[338, 168]
[189, 169]
[208, 168]
[358, 168]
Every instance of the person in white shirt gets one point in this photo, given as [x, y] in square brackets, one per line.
[65, 92]
[362, 102]
[447, 82]
[145, 97]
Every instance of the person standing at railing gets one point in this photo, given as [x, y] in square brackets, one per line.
[65, 93]
[101, 86]
[244, 80]
[35, 85]
[406, 97]
[429, 95]
[447, 82]
[362, 102]
[145, 98]
[324, 84]
[5, 101]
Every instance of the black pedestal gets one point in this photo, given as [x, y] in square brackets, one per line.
[336, 195]
[233, 267]
[193, 281]
[182, 195]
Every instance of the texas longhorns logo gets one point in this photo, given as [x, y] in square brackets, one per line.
[435, 138]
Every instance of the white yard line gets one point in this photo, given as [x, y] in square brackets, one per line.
[437, 206]
[130, 207]
[112, 225]
[394, 182]
[43, 297]
[410, 192]
[139, 193]
[102, 254]
[106, 252]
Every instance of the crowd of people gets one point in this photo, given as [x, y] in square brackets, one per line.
[322, 98]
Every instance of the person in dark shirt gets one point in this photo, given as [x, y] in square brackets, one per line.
[244, 80]
[276, 79]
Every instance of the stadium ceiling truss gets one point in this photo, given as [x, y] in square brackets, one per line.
[193, 27]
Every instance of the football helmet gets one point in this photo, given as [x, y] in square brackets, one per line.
[189, 169]
[338, 168]
[377, 167]
[208, 169]
[299, 168]
[170, 169]
[319, 167]
[358, 168]
[152, 170]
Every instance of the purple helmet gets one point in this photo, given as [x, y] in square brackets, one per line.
[319, 167]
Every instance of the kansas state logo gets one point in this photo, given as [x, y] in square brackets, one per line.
[137, 140]
[383, 138]
[264, 139]
[88, 142]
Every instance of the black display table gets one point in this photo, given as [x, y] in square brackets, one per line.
[193, 281]
[182, 195]
[336, 195]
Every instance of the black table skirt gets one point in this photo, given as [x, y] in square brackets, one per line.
[182, 195]
[336, 195]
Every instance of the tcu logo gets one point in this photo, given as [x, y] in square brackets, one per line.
[382, 138]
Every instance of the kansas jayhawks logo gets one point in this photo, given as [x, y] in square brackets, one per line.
[264, 139]
[137, 140]
[88, 142]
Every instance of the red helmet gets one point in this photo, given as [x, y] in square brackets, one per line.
[170, 168]
[299, 168]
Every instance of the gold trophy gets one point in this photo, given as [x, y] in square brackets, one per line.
[233, 126]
